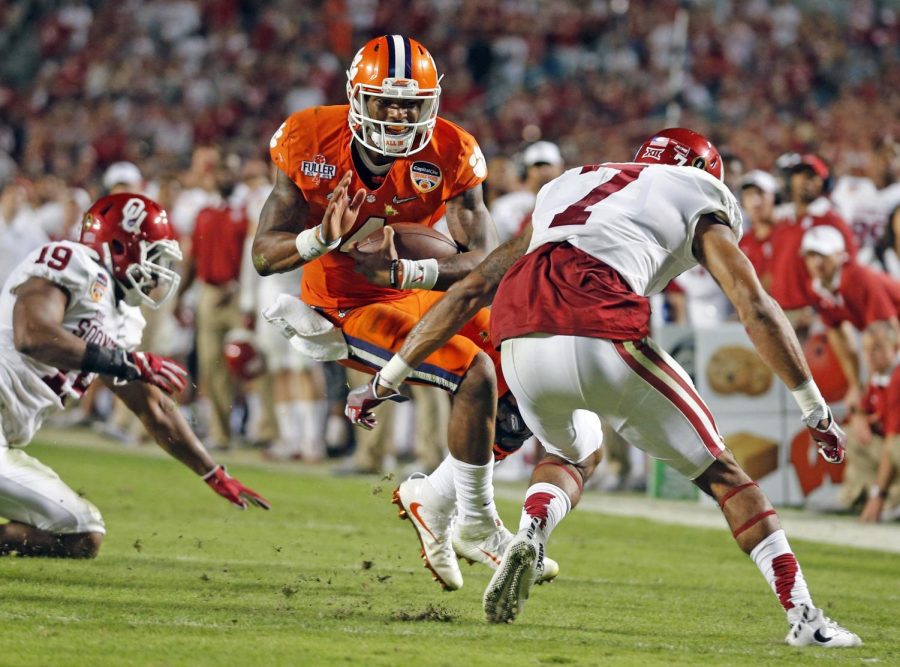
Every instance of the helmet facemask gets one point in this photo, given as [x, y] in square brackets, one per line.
[153, 280]
[380, 136]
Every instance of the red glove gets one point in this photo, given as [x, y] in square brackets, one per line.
[362, 400]
[232, 490]
[831, 440]
[161, 372]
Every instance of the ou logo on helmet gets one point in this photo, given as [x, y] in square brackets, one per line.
[133, 215]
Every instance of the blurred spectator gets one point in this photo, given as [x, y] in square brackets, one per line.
[810, 207]
[885, 255]
[542, 162]
[873, 448]
[19, 231]
[123, 177]
[845, 292]
[87, 85]
[217, 244]
[757, 191]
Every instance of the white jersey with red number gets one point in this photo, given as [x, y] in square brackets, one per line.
[637, 218]
[605, 237]
[29, 390]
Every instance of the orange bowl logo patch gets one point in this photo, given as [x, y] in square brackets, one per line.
[425, 176]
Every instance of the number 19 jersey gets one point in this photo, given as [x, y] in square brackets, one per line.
[605, 237]
[29, 389]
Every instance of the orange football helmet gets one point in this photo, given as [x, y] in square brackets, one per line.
[394, 67]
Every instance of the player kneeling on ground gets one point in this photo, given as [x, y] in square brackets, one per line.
[572, 317]
[68, 313]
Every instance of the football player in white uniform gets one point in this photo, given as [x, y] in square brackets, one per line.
[571, 316]
[68, 313]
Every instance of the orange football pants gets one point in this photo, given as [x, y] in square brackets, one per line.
[374, 332]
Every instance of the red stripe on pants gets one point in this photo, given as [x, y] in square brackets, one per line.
[661, 363]
[710, 441]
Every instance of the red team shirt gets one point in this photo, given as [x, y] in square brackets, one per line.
[312, 147]
[864, 296]
[790, 280]
[217, 244]
[760, 253]
[882, 402]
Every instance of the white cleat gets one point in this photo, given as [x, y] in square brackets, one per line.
[814, 628]
[475, 544]
[419, 502]
[521, 567]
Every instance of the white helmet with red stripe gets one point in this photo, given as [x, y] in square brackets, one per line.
[399, 68]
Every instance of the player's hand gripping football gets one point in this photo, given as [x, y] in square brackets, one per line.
[830, 438]
[232, 490]
[342, 211]
[376, 266]
[363, 400]
[159, 371]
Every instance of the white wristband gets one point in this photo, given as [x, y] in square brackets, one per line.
[310, 244]
[810, 400]
[419, 273]
[394, 372]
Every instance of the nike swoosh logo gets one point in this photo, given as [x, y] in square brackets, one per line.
[817, 635]
[397, 201]
[490, 555]
[414, 510]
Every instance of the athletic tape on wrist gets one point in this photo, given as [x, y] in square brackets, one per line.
[810, 400]
[310, 244]
[212, 473]
[419, 273]
[394, 372]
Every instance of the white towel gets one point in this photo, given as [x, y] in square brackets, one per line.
[309, 333]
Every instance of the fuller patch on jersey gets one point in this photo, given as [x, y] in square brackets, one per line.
[318, 169]
[425, 176]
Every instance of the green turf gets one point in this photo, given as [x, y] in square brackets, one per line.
[331, 577]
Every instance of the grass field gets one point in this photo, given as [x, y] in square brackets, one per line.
[331, 577]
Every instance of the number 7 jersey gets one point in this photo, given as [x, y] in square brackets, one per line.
[605, 237]
[313, 148]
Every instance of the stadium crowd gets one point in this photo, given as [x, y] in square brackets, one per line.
[177, 99]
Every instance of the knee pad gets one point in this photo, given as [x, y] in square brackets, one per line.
[510, 430]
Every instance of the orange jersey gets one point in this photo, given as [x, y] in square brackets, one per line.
[312, 148]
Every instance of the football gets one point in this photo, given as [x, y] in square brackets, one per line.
[413, 241]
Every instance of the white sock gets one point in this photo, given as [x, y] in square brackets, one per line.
[312, 442]
[546, 503]
[288, 435]
[474, 491]
[318, 413]
[776, 561]
[254, 415]
[442, 479]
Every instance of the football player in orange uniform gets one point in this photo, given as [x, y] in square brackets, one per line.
[346, 171]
